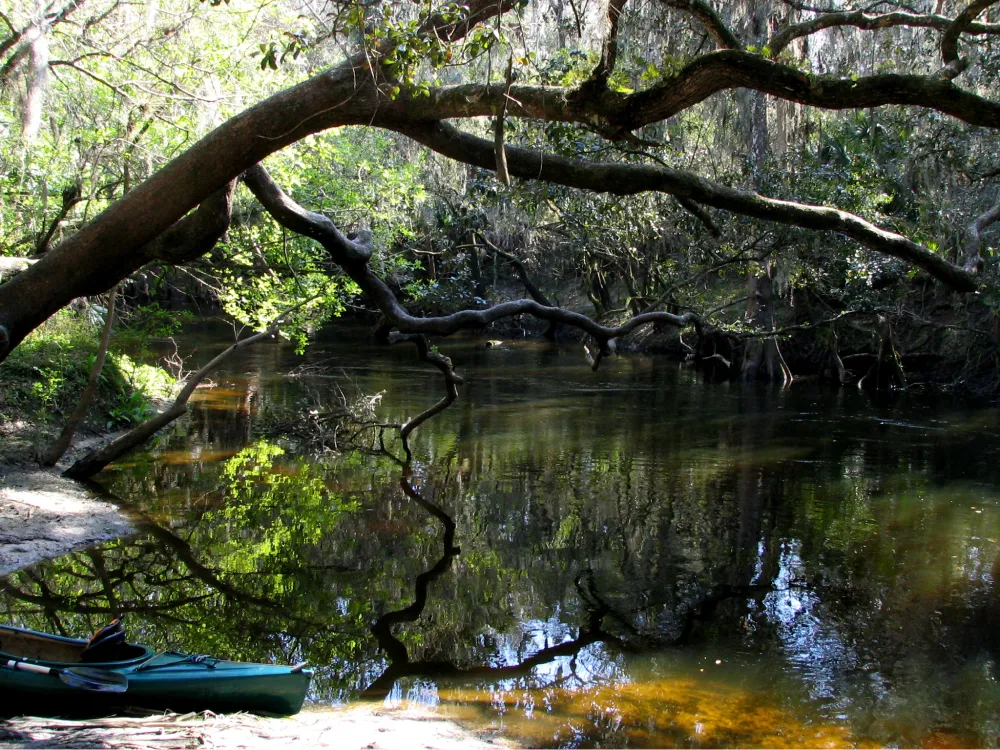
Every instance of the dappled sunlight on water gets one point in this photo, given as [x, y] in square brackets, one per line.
[663, 713]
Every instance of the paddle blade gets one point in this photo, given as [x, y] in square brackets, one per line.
[96, 680]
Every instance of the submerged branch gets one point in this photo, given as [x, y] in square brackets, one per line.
[451, 383]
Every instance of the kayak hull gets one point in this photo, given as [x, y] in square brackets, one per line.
[169, 681]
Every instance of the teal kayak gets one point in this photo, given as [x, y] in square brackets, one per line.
[169, 680]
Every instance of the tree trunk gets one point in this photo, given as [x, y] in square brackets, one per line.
[832, 366]
[475, 269]
[887, 371]
[762, 358]
[58, 448]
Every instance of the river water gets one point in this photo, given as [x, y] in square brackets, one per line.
[624, 558]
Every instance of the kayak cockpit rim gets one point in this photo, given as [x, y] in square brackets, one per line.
[22, 644]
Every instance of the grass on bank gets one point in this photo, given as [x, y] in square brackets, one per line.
[42, 379]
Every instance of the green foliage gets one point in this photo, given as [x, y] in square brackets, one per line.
[45, 376]
[289, 503]
[132, 85]
[139, 326]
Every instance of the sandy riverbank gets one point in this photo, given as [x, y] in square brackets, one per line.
[358, 727]
[44, 515]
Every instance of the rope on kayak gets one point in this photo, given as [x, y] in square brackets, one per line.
[208, 661]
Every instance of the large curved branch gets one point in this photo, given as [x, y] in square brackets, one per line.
[728, 69]
[108, 248]
[859, 19]
[708, 18]
[614, 114]
[628, 179]
[949, 42]
[398, 317]
[196, 233]
[292, 216]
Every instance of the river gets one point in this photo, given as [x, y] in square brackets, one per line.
[631, 557]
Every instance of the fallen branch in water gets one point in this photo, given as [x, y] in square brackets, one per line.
[96, 460]
[451, 383]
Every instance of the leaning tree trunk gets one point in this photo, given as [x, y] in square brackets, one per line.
[96, 460]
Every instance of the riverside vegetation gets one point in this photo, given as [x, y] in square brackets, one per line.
[741, 170]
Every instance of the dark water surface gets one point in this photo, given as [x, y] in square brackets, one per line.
[628, 558]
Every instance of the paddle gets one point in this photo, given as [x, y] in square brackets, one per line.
[83, 678]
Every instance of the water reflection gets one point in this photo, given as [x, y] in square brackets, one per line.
[645, 559]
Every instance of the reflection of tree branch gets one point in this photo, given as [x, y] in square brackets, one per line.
[382, 629]
[97, 557]
[53, 603]
[177, 549]
[400, 664]
[185, 554]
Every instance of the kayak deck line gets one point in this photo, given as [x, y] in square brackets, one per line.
[204, 659]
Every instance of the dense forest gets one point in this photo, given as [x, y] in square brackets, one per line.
[768, 189]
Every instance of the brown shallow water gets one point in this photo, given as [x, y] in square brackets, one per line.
[623, 558]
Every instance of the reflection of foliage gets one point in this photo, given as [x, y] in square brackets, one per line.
[291, 507]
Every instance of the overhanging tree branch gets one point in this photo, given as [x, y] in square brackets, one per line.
[629, 179]
[397, 316]
[869, 22]
[716, 29]
[949, 42]
[108, 248]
